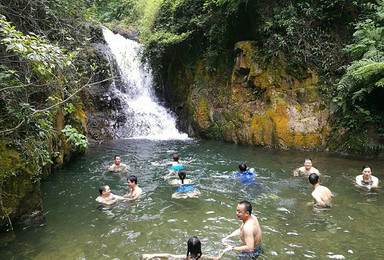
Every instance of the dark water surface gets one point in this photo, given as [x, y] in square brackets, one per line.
[76, 228]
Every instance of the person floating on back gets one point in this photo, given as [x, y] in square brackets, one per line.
[193, 252]
[118, 165]
[366, 179]
[107, 197]
[321, 194]
[185, 190]
[307, 169]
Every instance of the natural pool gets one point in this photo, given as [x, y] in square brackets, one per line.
[76, 228]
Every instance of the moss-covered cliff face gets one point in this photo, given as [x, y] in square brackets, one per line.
[22, 169]
[274, 105]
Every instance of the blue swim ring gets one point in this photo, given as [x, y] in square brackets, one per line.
[185, 188]
[176, 167]
[245, 177]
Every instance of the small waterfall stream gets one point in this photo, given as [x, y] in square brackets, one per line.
[146, 118]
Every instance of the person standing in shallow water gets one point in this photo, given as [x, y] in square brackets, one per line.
[366, 179]
[249, 232]
[321, 194]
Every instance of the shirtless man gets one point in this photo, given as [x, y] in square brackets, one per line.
[322, 195]
[117, 165]
[107, 197]
[135, 190]
[307, 169]
[366, 179]
[249, 232]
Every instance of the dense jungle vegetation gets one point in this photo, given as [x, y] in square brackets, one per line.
[46, 59]
[339, 38]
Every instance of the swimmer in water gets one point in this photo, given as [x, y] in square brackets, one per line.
[118, 165]
[366, 179]
[175, 162]
[306, 170]
[321, 194]
[181, 180]
[245, 175]
[185, 190]
[134, 190]
[193, 252]
[107, 197]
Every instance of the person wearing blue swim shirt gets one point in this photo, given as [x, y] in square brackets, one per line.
[185, 190]
[244, 175]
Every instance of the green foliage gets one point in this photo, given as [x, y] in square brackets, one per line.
[40, 55]
[369, 34]
[37, 76]
[360, 90]
[116, 10]
[78, 139]
[184, 30]
[354, 97]
[29, 64]
[310, 32]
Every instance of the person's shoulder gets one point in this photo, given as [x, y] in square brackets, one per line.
[314, 170]
[302, 168]
[99, 199]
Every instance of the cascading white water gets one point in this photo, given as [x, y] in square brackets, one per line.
[146, 118]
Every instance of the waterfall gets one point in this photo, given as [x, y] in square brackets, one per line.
[145, 117]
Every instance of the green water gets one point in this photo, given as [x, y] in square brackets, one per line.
[76, 228]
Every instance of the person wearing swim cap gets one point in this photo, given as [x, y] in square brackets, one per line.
[366, 179]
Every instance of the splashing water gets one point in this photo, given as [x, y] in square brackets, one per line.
[146, 118]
